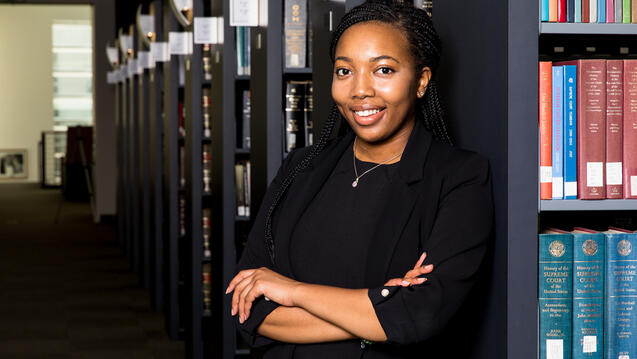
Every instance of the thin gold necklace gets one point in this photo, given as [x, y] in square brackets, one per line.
[355, 183]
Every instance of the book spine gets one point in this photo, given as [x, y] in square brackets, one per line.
[240, 191]
[626, 12]
[555, 297]
[293, 115]
[553, 10]
[610, 11]
[206, 101]
[545, 10]
[546, 166]
[570, 11]
[206, 288]
[245, 121]
[578, 10]
[182, 167]
[240, 59]
[601, 11]
[614, 115]
[593, 5]
[295, 30]
[207, 167]
[557, 144]
[308, 107]
[206, 220]
[561, 10]
[630, 129]
[182, 215]
[619, 15]
[586, 11]
[621, 296]
[588, 296]
[633, 11]
[248, 189]
[246, 49]
[570, 132]
[591, 126]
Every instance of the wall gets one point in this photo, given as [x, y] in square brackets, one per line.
[26, 82]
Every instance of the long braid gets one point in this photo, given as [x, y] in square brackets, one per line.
[425, 47]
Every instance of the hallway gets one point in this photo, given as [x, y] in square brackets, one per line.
[66, 289]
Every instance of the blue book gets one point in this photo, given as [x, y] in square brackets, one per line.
[557, 141]
[578, 10]
[545, 10]
[588, 294]
[570, 10]
[601, 11]
[555, 297]
[621, 295]
[570, 132]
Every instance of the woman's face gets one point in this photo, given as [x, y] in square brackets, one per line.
[375, 83]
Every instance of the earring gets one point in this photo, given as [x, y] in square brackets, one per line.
[421, 94]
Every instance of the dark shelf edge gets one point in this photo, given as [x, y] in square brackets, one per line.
[301, 70]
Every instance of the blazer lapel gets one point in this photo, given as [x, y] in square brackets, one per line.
[305, 186]
[400, 199]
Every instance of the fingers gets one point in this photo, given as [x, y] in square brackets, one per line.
[238, 278]
[393, 282]
[421, 260]
[242, 297]
[239, 288]
[405, 282]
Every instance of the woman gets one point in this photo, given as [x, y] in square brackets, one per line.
[328, 271]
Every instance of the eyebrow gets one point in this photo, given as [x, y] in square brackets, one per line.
[371, 59]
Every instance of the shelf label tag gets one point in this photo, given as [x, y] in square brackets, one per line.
[244, 13]
[145, 60]
[111, 54]
[180, 43]
[110, 78]
[206, 30]
[159, 52]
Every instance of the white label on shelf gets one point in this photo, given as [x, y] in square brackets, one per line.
[159, 51]
[594, 174]
[220, 32]
[558, 187]
[244, 12]
[633, 185]
[180, 43]
[554, 349]
[570, 189]
[546, 174]
[182, 4]
[146, 24]
[145, 60]
[613, 173]
[241, 210]
[205, 30]
[263, 13]
[589, 344]
[111, 54]
[110, 77]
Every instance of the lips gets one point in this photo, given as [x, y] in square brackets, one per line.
[366, 116]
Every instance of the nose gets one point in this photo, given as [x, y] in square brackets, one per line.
[363, 86]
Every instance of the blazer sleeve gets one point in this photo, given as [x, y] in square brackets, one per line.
[456, 246]
[255, 255]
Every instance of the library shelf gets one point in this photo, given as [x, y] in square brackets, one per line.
[589, 205]
[587, 28]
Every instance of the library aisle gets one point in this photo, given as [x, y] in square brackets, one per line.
[66, 288]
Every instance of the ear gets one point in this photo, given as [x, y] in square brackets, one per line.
[423, 81]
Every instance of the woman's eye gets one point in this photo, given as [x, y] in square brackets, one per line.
[385, 70]
[342, 72]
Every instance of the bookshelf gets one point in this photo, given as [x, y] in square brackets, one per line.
[587, 29]
[602, 205]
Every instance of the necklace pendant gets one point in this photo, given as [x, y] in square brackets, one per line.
[355, 183]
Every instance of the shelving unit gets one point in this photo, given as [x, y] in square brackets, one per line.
[587, 28]
[602, 205]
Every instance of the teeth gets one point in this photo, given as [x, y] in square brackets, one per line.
[367, 112]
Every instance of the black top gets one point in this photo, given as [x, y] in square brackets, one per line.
[323, 252]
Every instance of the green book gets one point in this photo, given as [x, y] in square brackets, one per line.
[626, 12]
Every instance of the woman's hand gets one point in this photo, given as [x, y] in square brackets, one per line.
[252, 283]
[412, 276]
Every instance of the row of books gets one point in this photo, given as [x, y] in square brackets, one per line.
[587, 284]
[589, 11]
[296, 31]
[206, 288]
[242, 186]
[588, 129]
[243, 126]
[298, 114]
[243, 50]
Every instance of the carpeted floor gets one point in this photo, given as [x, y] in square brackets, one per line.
[66, 289]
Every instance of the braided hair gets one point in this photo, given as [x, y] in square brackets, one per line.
[425, 47]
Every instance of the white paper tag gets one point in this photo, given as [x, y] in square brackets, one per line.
[244, 12]
[111, 54]
[182, 4]
[205, 30]
[570, 189]
[613, 173]
[220, 30]
[558, 187]
[159, 51]
[594, 174]
[146, 24]
[633, 185]
[125, 43]
[110, 77]
[589, 344]
[554, 349]
[623, 357]
[180, 43]
[145, 60]
[546, 174]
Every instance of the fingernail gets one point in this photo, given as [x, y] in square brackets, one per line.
[429, 266]
[421, 280]
[227, 290]
[233, 312]
[405, 282]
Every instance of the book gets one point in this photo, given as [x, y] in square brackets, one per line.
[181, 116]
[555, 297]
[610, 11]
[561, 10]
[308, 124]
[630, 129]
[206, 219]
[206, 154]
[618, 11]
[593, 6]
[294, 114]
[546, 166]
[246, 51]
[245, 120]
[586, 11]
[588, 294]
[614, 130]
[557, 138]
[570, 132]
[239, 188]
[205, 110]
[182, 167]
[578, 10]
[633, 11]
[553, 10]
[295, 32]
[626, 10]
[207, 62]
[247, 175]
[570, 10]
[206, 288]
[621, 294]
[545, 10]
[601, 11]
[239, 39]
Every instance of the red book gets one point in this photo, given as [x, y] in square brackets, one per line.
[546, 121]
[630, 129]
[591, 127]
[614, 116]
[586, 11]
[561, 10]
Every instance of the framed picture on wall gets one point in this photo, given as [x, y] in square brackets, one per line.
[13, 163]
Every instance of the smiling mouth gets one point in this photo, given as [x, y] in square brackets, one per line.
[369, 116]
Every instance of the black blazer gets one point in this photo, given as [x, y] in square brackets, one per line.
[438, 201]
